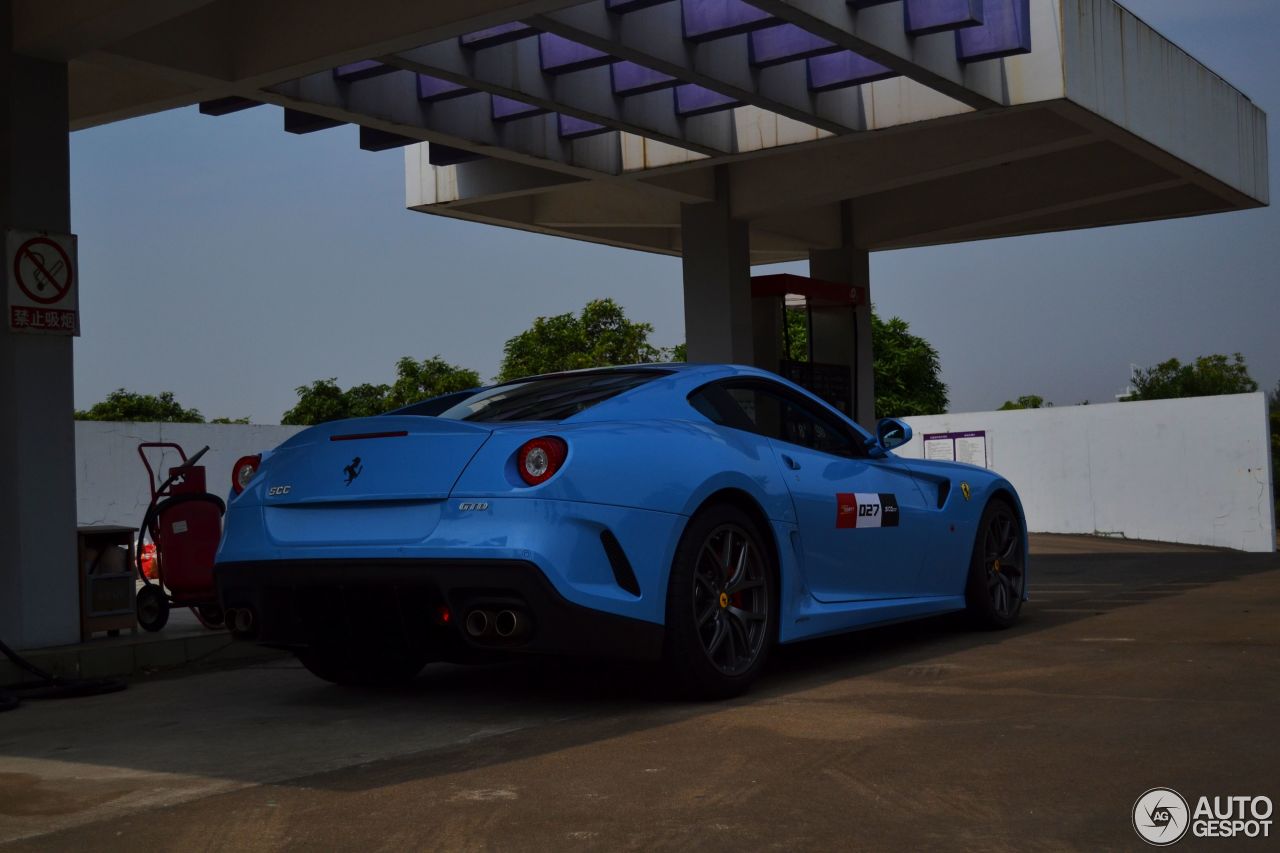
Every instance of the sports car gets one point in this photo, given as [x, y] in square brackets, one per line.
[690, 514]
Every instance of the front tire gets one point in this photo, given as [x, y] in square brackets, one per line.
[362, 668]
[997, 570]
[721, 605]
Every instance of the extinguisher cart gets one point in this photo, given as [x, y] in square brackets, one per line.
[185, 522]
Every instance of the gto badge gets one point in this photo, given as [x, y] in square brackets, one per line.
[964, 490]
[277, 491]
[472, 507]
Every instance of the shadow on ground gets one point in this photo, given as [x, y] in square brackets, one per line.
[276, 723]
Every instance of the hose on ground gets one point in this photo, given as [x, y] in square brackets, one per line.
[48, 685]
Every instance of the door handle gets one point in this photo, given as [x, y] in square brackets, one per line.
[790, 463]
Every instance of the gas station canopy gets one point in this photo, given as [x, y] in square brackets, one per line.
[933, 121]
[728, 132]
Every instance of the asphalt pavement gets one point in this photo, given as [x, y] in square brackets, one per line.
[1135, 665]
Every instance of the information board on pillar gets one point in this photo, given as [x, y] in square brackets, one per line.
[43, 283]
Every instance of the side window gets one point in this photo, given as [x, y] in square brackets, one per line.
[756, 406]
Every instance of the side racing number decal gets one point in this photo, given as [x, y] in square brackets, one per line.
[866, 509]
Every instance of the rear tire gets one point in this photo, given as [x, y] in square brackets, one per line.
[721, 605]
[997, 570]
[384, 667]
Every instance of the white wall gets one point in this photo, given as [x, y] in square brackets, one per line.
[111, 483]
[1195, 470]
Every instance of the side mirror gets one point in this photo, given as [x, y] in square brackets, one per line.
[890, 433]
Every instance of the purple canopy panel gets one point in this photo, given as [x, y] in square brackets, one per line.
[632, 79]
[361, 70]
[840, 70]
[372, 139]
[784, 43]
[500, 34]
[1005, 31]
[621, 7]
[509, 109]
[559, 55]
[694, 100]
[576, 128]
[713, 19]
[435, 89]
[934, 16]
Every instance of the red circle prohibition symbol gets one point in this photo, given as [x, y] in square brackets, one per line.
[43, 274]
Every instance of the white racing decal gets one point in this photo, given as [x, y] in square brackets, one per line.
[866, 510]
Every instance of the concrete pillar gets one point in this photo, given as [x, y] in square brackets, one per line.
[767, 317]
[39, 592]
[842, 335]
[717, 280]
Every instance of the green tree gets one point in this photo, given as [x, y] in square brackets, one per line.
[796, 335]
[431, 377]
[1030, 401]
[907, 371]
[324, 400]
[229, 421]
[122, 405]
[1209, 375]
[318, 402]
[598, 336]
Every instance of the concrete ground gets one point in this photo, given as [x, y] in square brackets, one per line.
[1135, 666]
[182, 644]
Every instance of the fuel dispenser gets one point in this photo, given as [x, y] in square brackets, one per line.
[829, 364]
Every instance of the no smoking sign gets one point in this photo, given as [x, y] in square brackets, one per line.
[42, 272]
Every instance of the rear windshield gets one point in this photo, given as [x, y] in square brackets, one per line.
[548, 398]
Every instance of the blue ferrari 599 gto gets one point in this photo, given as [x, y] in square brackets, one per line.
[694, 514]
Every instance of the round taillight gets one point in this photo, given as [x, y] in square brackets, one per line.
[540, 459]
[243, 471]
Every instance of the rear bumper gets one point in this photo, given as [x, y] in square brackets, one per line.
[322, 602]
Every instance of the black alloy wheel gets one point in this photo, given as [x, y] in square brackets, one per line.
[720, 604]
[997, 576]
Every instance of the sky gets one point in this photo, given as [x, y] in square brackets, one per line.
[230, 262]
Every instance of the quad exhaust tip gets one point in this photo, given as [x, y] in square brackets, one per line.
[510, 624]
[244, 621]
[240, 621]
[504, 624]
[479, 623]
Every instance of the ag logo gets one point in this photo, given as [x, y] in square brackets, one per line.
[1161, 816]
[966, 491]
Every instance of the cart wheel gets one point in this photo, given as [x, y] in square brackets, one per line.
[153, 608]
[210, 616]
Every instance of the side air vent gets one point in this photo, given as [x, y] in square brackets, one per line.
[622, 572]
[944, 489]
